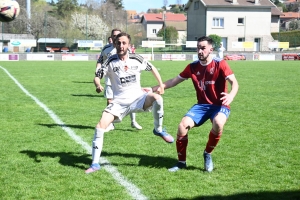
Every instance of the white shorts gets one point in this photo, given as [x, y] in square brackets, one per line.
[108, 92]
[120, 110]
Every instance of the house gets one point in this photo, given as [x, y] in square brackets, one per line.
[276, 14]
[181, 29]
[153, 22]
[288, 17]
[236, 21]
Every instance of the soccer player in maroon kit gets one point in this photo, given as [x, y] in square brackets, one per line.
[209, 76]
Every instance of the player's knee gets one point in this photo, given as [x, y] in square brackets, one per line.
[183, 128]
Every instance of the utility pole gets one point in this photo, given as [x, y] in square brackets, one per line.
[164, 18]
[86, 31]
[45, 30]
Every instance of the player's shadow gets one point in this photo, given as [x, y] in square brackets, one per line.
[268, 195]
[89, 82]
[87, 95]
[146, 160]
[81, 161]
[71, 159]
[68, 125]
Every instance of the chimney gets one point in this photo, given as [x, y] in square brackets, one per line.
[164, 15]
[256, 2]
[234, 2]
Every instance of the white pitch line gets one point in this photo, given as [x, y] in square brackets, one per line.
[133, 191]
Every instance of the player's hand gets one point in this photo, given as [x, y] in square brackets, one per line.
[160, 90]
[226, 99]
[147, 89]
[99, 89]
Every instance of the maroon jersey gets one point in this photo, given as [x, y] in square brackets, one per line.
[209, 80]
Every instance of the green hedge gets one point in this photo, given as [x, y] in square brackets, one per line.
[293, 37]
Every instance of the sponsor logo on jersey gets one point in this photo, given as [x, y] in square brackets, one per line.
[128, 79]
[209, 82]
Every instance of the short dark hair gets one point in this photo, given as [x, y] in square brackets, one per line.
[205, 38]
[121, 35]
[115, 29]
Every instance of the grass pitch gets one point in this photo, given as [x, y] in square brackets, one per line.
[257, 157]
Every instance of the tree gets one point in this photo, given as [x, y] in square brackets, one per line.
[217, 40]
[169, 35]
[118, 4]
[293, 25]
[90, 25]
[66, 7]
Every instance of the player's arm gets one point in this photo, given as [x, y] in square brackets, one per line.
[158, 78]
[228, 97]
[98, 76]
[169, 83]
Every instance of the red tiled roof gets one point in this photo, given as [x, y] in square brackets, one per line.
[169, 17]
[290, 15]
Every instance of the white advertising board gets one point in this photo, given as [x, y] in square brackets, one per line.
[9, 57]
[173, 57]
[266, 57]
[154, 44]
[75, 57]
[90, 43]
[47, 57]
[24, 43]
[191, 44]
[147, 56]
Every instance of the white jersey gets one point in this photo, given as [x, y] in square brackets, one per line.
[107, 51]
[125, 77]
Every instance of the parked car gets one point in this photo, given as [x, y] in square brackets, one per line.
[235, 57]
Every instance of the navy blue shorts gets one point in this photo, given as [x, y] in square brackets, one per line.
[200, 113]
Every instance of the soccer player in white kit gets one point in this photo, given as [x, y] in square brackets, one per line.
[124, 70]
[107, 51]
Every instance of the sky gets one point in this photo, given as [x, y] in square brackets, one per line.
[144, 5]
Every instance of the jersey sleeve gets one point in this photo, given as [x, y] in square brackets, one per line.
[225, 69]
[100, 59]
[186, 73]
[102, 71]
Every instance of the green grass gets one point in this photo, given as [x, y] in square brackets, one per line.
[257, 157]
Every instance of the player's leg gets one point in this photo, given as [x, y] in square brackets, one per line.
[215, 134]
[182, 142]
[104, 122]
[156, 101]
[108, 94]
[134, 123]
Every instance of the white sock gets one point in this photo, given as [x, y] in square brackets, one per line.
[97, 144]
[132, 117]
[158, 114]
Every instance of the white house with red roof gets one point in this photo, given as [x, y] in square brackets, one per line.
[235, 21]
[153, 22]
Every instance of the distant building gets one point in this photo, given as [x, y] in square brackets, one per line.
[235, 21]
[153, 22]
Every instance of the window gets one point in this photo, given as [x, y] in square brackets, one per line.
[241, 39]
[240, 21]
[154, 31]
[218, 22]
[196, 5]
